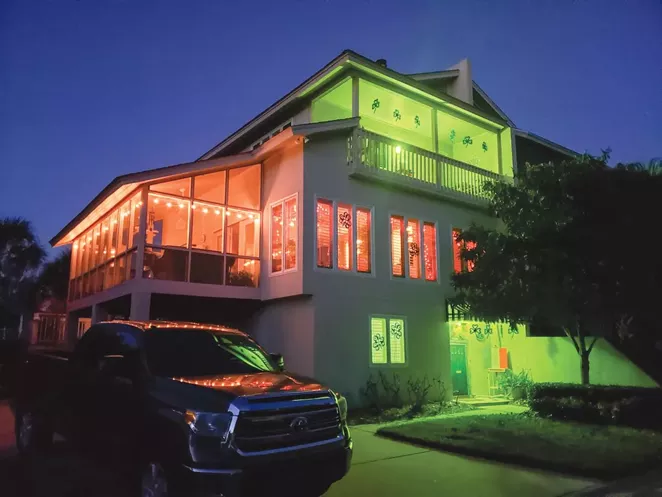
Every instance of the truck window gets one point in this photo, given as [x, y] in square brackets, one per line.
[185, 353]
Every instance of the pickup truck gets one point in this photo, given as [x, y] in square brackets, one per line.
[185, 409]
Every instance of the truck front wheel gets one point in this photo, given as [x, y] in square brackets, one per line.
[31, 433]
[154, 482]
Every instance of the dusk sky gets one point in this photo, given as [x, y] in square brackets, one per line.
[92, 89]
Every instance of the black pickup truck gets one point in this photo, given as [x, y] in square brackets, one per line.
[186, 409]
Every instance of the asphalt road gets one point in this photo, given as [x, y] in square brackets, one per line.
[380, 467]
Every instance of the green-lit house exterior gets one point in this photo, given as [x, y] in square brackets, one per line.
[325, 227]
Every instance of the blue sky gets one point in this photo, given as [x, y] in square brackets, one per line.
[92, 89]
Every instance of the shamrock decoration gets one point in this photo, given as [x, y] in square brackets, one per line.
[396, 329]
[466, 141]
[512, 330]
[417, 121]
[488, 329]
[378, 342]
[484, 146]
[397, 115]
[345, 220]
[452, 135]
[475, 330]
[375, 105]
[414, 249]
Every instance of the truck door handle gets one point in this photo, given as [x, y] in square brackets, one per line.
[458, 371]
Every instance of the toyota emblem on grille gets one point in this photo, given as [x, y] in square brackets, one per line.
[299, 424]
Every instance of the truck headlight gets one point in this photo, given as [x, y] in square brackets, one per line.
[208, 424]
[342, 406]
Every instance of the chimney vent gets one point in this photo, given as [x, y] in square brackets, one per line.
[381, 62]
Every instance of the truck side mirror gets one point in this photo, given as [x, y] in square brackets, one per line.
[279, 360]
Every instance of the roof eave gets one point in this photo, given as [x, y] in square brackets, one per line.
[547, 143]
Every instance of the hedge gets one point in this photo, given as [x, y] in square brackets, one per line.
[637, 407]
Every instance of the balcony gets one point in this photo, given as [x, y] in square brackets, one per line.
[377, 157]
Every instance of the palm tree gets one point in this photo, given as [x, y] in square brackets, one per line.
[21, 256]
[652, 167]
[54, 277]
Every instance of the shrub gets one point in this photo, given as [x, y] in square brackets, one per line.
[418, 391]
[637, 407]
[515, 385]
[370, 393]
[391, 389]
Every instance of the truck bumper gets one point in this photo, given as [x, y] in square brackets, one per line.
[304, 474]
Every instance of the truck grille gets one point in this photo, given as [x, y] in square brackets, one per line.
[269, 430]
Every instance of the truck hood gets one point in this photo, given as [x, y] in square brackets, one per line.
[242, 385]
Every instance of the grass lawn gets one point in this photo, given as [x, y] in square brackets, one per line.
[367, 416]
[605, 452]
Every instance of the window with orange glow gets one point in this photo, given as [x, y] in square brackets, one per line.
[291, 233]
[324, 227]
[458, 264]
[430, 251]
[344, 236]
[414, 248]
[276, 238]
[397, 246]
[363, 240]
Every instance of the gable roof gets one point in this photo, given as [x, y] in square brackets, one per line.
[347, 61]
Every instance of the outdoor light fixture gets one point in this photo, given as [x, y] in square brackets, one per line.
[398, 149]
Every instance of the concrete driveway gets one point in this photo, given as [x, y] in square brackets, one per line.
[380, 467]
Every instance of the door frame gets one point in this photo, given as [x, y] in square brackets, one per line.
[466, 362]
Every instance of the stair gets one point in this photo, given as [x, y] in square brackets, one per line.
[483, 401]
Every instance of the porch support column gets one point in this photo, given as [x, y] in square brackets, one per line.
[71, 329]
[140, 303]
[98, 314]
[355, 96]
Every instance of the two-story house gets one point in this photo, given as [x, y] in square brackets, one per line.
[324, 226]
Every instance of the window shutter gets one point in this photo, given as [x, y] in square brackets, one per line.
[291, 234]
[324, 233]
[363, 255]
[397, 341]
[277, 238]
[344, 236]
[378, 340]
[397, 246]
[430, 251]
[414, 248]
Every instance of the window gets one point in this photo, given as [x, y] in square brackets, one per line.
[167, 221]
[179, 187]
[207, 227]
[210, 187]
[284, 235]
[344, 236]
[244, 187]
[387, 340]
[324, 233]
[363, 245]
[421, 261]
[430, 251]
[460, 265]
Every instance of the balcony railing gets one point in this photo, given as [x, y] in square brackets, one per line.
[376, 156]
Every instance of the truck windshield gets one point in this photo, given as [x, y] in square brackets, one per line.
[175, 353]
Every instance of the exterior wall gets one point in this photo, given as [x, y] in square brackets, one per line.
[344, 302]
[546, 359]
[288, 327]
[282, 176]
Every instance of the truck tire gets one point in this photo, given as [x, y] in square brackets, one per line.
[154, 481]
[32, 433]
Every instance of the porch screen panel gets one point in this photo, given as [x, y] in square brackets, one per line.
[457, 260]
[414, 248]
[324, 227]
[397, 341]
[344, 236]
[430, 251]
[397, 246]
[378, 341]
[363, 239]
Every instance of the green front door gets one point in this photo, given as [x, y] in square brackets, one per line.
[459, 369]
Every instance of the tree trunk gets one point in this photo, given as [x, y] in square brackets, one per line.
[585, 368]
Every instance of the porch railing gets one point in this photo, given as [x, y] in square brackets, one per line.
[376, 156]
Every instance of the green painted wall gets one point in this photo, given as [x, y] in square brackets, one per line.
[334, 104]
[545, 358]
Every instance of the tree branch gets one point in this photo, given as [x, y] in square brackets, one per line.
[590, 347]
[574, 342]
